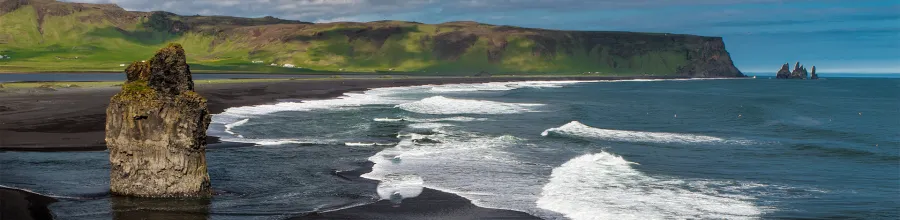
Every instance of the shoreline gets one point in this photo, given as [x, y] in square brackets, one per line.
[82, 129]
[74, 119]
[431, 203]
[24, 204]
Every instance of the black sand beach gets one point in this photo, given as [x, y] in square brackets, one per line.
[74, 120]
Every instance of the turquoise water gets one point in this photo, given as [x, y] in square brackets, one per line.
[736, 148]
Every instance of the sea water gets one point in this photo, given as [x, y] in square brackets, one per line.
[631, 149]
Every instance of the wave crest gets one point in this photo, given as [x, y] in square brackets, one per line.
[605, 186]
[228, 127]
[396, 187]
[439, 105]
[578, 129]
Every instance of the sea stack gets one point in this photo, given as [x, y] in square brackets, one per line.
[799, 72]
[156, 130]
[812, 74]
[784, 72]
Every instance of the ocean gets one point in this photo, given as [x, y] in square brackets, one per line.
[629, 149]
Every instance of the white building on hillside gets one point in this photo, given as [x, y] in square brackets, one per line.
[288, 65]
[257, 61]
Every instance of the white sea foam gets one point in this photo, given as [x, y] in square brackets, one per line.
[228, 127]
[362, 144]
[386, 96]
[450, 119]
[458, 119]
[578, 129]
[389, 119]
[440, 105]
[398, 187]
[472, 87]
[428, 125]
[271, 142]
[501, 86]
[371, 97]
[661, 80]
[467, 164]
[605, 186]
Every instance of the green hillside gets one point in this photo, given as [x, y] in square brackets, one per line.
[45, 36]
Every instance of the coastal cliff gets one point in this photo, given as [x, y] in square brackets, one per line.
[156, 130]
[81, 37]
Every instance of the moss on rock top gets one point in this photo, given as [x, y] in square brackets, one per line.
[166, 74]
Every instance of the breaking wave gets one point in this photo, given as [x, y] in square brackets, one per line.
[578, 129]
[399, 187]
[450, 119]
[605, 186]
[362, 144]
[439, 105]
[228, 127]
[467, 164]
[501, 86]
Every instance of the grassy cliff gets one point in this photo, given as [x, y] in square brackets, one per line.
[45, 35]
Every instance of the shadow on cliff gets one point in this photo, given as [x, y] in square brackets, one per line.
[133, 208]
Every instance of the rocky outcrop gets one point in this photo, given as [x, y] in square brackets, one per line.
[799, 72]
[784, 72]
[156, 130]
[812, 74]
[707, 57]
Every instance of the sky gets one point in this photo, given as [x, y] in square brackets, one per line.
[837, 36]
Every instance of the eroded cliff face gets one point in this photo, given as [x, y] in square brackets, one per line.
[708, 58]
[451, 48]
[156, 130]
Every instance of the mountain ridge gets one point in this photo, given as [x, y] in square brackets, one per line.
[47, 35]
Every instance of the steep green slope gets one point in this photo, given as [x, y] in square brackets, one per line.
[44, 35]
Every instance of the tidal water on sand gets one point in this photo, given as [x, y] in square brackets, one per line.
[638, 149]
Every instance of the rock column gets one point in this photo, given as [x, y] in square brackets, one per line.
[156, 130]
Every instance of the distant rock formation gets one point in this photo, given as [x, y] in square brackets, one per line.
[784, 72]
[156, 130]
[812, 74]
[799, 72]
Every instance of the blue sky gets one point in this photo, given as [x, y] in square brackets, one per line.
[838, 36]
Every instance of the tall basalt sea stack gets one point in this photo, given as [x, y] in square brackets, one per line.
[156, 130]
[812, 74]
